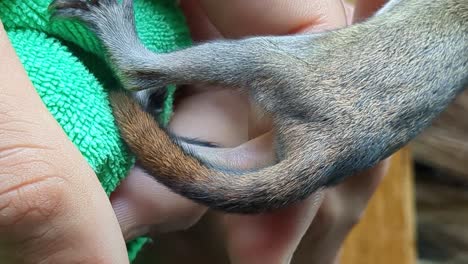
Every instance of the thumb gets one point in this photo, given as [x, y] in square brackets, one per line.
[52, 207]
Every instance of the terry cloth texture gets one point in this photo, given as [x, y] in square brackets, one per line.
[65, 64]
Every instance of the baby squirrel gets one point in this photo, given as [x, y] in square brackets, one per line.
[341, 100]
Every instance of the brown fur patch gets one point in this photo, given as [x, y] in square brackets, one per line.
[154, 147]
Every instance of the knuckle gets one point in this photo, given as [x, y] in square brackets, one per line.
[328, 214]
[34, 202]
[32, 190]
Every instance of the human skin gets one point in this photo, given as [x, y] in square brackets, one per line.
[53, 209]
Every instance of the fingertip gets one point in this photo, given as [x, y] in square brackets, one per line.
[270, 238]
[141, 205]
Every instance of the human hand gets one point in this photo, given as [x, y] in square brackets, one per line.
[142, 204]
[52, 206]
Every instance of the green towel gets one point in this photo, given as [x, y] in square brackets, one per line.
[65, 64]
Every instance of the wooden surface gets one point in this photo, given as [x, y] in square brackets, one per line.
[445, 144]
[386, 233]
[442, 216]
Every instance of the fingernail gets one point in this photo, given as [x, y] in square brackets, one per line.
[128, 221]
[137, 232]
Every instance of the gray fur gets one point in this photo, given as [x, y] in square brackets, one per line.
[341, 100]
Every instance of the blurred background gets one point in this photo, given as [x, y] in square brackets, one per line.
[441, 172]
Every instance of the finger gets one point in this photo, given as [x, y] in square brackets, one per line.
[201, 28]
[341, 209]
[349, 11]
[365, 8]
[269, 238]
[256, 153]
[52, 207]
[359, 188]
[228, 117]
[143, 205]
[345, 203]
[224, 112]
[237, 18]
